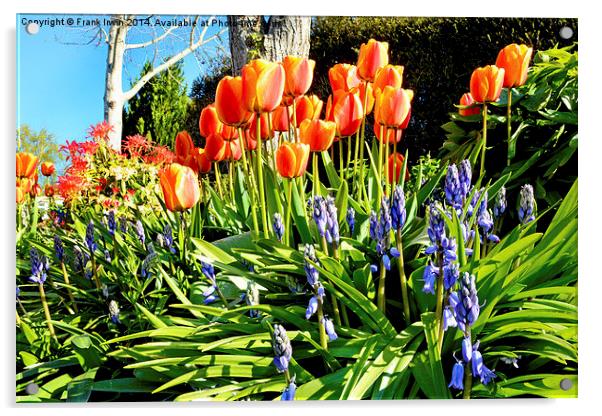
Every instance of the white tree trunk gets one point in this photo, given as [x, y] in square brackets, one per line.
[113, 99]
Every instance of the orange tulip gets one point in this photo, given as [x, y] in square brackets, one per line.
[262, 85]
[343, 77]
[307, 107]
[232, 150]
[209, 122]
[203, 161]
[185, 150]
[229, 102]
[36, 190]
[281, 117]
[393, 107]
[347, 111]
[318, 134]
[291, 159]
[263, 126]
[229, 133]
[363, 89]
[27, 164]
[215, 147]
[20, 195]
[48, 168]
[49, 190]
[467, 100]
[397, 160]
[250, 143]
[486, 83]
[373, 56]
[26, 184]
[514, 59]
[180, 187]
[392, 135]
[388, 75]
[299, 75]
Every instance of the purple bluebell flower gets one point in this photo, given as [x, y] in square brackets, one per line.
[478, 367]
[332, 222]
[499, 206]
[473, 202]
[526, 211]
[453, 190]
[350, 217]
[79, 259]
[320, 214]
[90, 237]
[486, 224]
[168, 238]
[373, 225]
[448, 246]
[283, 351]
[208, 271]
[107, 256]
[311, 272]
[466, 349]
[39, 266]
[429, 276]
[148, 262]
[252, 298]
[114, 311]
[398, 209]
[59, 249]
[457, 378]
[289, 393]
[111, 223]
[465, 176]
[123, 224]
[451, 272]
[160, 240]
[312, 307]
[436, 228]
[139, 230]
[209, 295]
[329, 327]
[278, 226]
[467, 309]
[380, 229]
[18, 292]
[449, 318]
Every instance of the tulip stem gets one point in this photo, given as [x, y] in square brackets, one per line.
[218, 180]
[511, 145]
[380, 166]
[355, 161]
[335, 253]
[295, 122]
[348, 155]
[335, 304]
[403, 280]
[231, 173]
[394, 179]
[316, 186]
[386, 171]
[259, 161]
[250, 180]
[361, 184]
[66, 278]
[484, 148]
[47, 311]
[289, 205]
[341, 158]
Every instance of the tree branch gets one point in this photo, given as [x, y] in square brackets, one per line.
[152, 41]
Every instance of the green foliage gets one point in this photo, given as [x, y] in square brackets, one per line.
[159, 109]
[41, 143]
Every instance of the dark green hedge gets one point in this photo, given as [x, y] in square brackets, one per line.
[439, 54]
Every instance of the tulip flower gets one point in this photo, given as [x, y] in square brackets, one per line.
[36, 190]
[486, 83]
[281, 117]
[347, 112]
[209, 122]
[366, 94]
[318, 134]
[467, 100]
[392, 135]
[185, 150]
[26, 164]
[299, 75]
[49, 190]
[20, 195]
[203, 161]
[262, 85]
[514, 59]
[229, 102]
[307, 107]
[250, 143]
[26, 184]
[389, 75]
[291, 159]
[263, 127]
[48, 168]
[180, 187]
[343, 77]
[215, 147]
[373, 56]
[393, 107]
[394, 165]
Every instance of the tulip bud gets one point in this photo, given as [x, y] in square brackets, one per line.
[48, 168]
[209, 121]
[229, 102]
[307, 107]
[393, 107]
[262, 85]
[389, 75]
[26, 164]
[343, 77]
[468, 101]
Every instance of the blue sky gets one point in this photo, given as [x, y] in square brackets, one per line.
[60, 80]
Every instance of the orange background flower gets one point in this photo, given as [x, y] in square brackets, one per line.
[299, 75]
[26, 165]
[373, 56]
[180, 187]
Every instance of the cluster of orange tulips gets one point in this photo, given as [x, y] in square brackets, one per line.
[27, 176]
[486, 83]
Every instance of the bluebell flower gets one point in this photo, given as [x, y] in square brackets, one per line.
[373, 225]
[148, 262]
[320, 214]
[473, 203]
[252, 298]
[380, 229]
[312, 307]
[160, 240]
[209, 295]
[105, 290]
[39, 266]
[465, 176]
[451, 272]
[168, 238]
[453, 190]
[398, 209]
[278, 226]
[139, 230]
[478, 367]
[429, 276]
[332, 229]
[457, 378]
[436, 228]
[350, 217]
[486, 224]
[111, 223]
[123, 224]
[107, 256]
[59, 250]
[466, 349]
[526, 211]
[329, 327]
[499, 206]
[208, 271]
[448, 247]
[18, 292]
[114, 311]
[79, 259]
[467, 309]
[90, 237]
[311, 272]
[449, 319]
[289, 393]
[283, 351]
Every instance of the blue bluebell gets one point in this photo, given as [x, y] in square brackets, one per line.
[311, 272]
[332, 221]
[209, 295]
[320, 214]
[123, 224]
[39, 266]
[457, 378]
[478, 367]
[466, 349]
[59, 249]
[289, 393]
[429, 276]
[467, 309]
[451, 272]
[114, 311]
[139, 230]
[111, 223]
[312, 307]
[90, 237]
[208, 271]
[107, 256]
[465, 176]
[168, 238]
[350, 217]
[329, 327]
[526, 210]
[449, 318]
[283, 350]
[373, 225]
[499, 206]
[453, 191]
[278, 226]
[252, 298]
[398, 208]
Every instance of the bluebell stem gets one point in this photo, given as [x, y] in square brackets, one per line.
[278, 226]
[320, 214]
[39, 266]
[526, 211]
[114, 311]
[350, 217]
[168, 238]
[311, 272]
[457, 378]
[252, 298]
[398, 209]
[111, 223]
[59, 249]
[283, 351]
[329, 327]
[332, 229]
[499, 207]
[453, 190]
[139, 229]
[90, 237]
[465, 176]
[289, 392]
[478, 368]
[467, 309]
